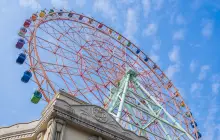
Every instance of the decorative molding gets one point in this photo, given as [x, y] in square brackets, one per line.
[99, 114]
[88, 121]
[49, 123]
[59, 128]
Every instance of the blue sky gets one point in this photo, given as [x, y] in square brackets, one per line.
[181, 37]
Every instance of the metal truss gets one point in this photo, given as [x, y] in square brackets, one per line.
[138, 100]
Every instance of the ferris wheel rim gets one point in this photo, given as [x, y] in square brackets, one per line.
[141, 58]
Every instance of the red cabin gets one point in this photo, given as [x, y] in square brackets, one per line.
[100, 25]
[27, 23]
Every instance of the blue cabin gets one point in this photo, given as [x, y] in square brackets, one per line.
[80, 17]
[21, 58]
[70, 15]
[146, 59]
[60, 13]
[198, 134]
[138, 51]
[26, 76]
[193, 124]
[20, 43]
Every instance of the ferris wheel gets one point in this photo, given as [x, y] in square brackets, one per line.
[93, 62]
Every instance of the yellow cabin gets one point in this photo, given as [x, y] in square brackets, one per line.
[42, 14]
[119, 37]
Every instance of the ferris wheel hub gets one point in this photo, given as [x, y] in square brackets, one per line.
[131, 72]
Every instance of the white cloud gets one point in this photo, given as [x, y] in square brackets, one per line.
[203, 72]
[154, 57]
[80, 3]
[59, 3]
[215, 83]
[174, 54]
[172, 69]
[180, 20]
[215, 87]
[215, 77]
[156, 44]
[174, 57]
[150, 30]
[210, 125]
[126, 1]
[196, 4]
[179, 35]
[106, 8]
[158, 4]
[207, 29]
[193, 65]
[146, 7]
[34, 4]
[131, 24]
[182, 92]
[196, 87]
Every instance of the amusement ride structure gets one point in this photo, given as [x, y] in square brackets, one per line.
[94, 63]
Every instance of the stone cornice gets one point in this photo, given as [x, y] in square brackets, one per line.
[93, 117]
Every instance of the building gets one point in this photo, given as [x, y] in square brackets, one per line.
[68, 118]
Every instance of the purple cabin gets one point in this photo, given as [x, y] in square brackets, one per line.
[20, 43]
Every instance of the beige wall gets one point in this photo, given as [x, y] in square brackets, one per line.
[47, 133]
[72, 133]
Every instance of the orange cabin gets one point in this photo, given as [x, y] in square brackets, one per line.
[90, 21]
[176, 94]
[110, 31]
[182, 104]
[34, 17]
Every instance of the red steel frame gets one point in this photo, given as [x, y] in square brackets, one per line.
[87, 66]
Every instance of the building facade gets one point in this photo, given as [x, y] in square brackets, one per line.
[68, 118]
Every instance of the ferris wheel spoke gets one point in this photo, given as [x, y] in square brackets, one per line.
[55, 39]
[74, 43]
[75, 32]
[80, 39]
